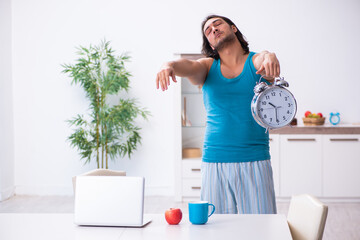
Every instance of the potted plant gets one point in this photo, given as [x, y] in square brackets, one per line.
[108, 131]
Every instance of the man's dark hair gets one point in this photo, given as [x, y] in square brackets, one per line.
[206, 48]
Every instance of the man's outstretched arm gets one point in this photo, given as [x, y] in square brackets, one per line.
[195, 70]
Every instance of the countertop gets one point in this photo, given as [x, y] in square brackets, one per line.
[322, 129]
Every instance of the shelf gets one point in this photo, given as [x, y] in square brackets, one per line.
[192, 159]
[198, 126]
[196, 93]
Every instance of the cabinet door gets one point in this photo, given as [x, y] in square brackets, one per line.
[191, 168]
[275, 161]
[191, 187]
[191, 181]
[300, 164]
[341, 165]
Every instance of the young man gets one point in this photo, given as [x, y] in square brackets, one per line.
[236, 168]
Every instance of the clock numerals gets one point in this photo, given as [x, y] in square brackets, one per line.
[263, 102]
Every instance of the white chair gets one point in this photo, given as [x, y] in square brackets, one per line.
[99, 172]
[306, 217]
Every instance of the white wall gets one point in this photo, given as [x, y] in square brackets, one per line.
[316, 42]
[6, 106]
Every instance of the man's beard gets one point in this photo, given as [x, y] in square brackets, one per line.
[225, 42]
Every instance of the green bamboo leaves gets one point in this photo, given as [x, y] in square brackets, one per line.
[108, 131]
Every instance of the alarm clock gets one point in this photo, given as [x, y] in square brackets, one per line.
[273, 106]
[334, 118]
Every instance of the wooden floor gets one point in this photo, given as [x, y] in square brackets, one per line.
[343, 220]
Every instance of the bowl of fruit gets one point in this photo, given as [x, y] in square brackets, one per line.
[313, 119]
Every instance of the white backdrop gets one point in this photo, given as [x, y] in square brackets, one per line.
[6, 106]
[317, 43]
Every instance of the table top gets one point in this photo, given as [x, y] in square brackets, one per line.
[219, 226]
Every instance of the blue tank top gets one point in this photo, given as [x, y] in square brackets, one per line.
[232, 134]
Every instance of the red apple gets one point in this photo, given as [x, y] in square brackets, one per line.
[173, 216]
[307, 113]
[320, 114]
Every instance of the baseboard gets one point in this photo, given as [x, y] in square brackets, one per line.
[44, 190]
[7, 193]
[149, 191]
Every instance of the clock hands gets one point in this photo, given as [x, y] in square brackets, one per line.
[272, 104]
[277, 120]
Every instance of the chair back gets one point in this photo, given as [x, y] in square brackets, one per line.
[306, 217]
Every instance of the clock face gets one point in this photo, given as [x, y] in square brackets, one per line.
[276, 107]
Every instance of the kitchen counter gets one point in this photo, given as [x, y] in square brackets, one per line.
[323, 129]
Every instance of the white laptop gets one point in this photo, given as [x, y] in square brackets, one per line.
[110, 201]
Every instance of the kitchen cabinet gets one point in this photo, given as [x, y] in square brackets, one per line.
[300, 164]
[323, 165]
[191, 177]
[341, 165]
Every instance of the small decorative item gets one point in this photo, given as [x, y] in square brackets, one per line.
[334, 118]
[313, 119]
[293, 122]
[273, 106]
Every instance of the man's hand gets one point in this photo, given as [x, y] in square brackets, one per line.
[194, 70]
[163, 76]
[267, 65]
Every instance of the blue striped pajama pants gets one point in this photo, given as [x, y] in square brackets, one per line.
[240, 187]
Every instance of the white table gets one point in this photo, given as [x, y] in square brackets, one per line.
[61, 226]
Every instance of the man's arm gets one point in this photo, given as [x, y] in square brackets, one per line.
[267, 64]
[195, 70]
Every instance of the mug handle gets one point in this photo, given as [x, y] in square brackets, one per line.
[213, 210]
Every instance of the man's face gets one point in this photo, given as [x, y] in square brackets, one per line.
[219, 33]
